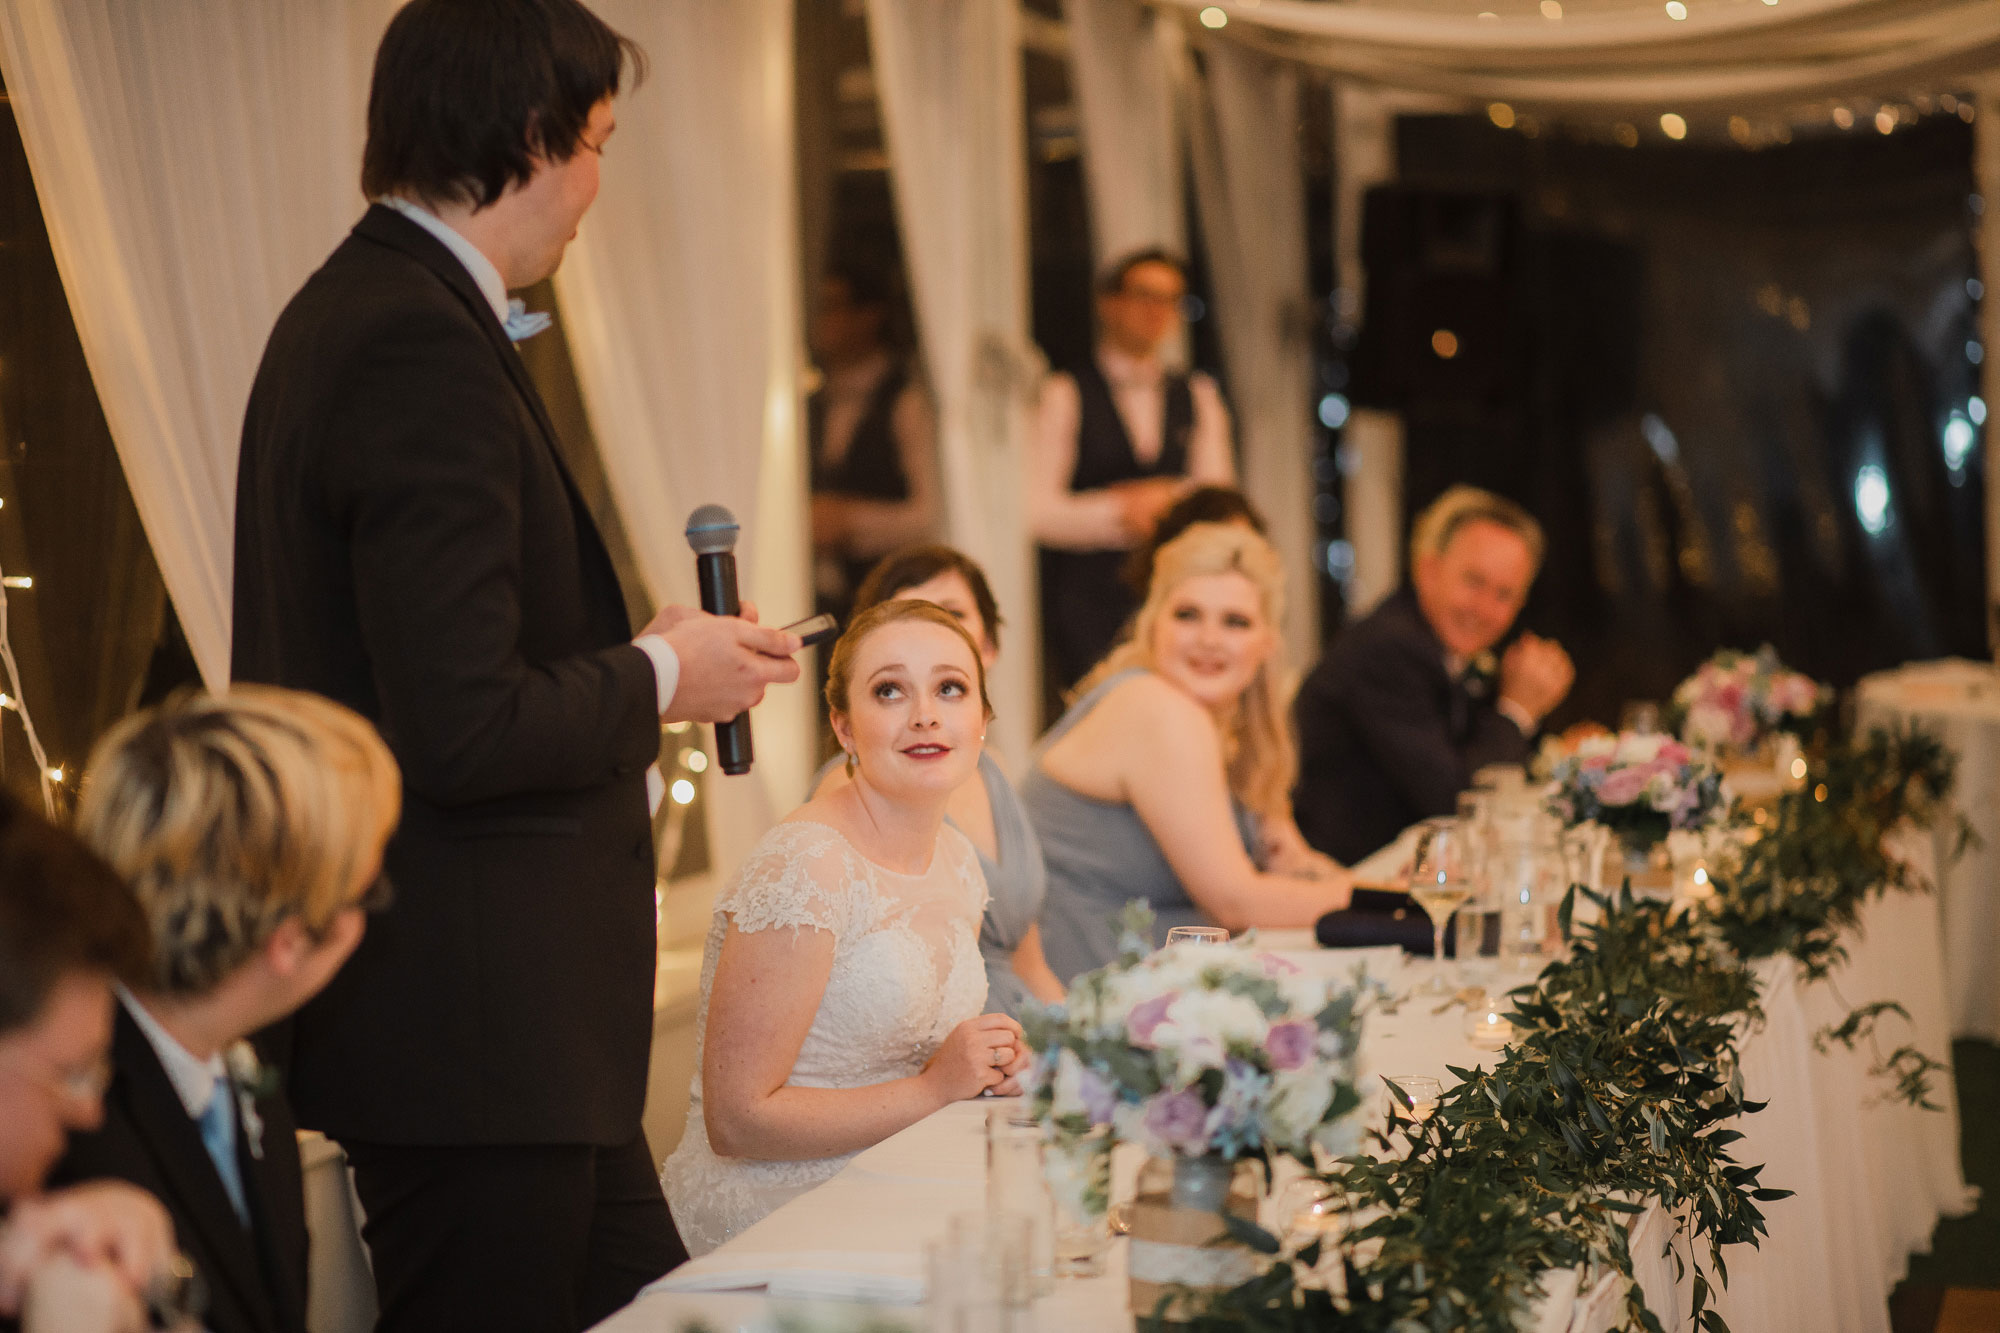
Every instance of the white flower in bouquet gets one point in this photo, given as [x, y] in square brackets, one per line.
[1299, 1099]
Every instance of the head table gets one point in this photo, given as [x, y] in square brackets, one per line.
[1960, 701]
[1871, 1177]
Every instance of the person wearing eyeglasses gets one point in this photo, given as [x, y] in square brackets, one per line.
[1117, 441]
[251, 827]
[82, 1259]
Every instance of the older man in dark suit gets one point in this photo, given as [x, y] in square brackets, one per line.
[1409, 704]
[410, 543]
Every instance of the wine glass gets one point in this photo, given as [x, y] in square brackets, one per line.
[1440, 883]
[1197, 935]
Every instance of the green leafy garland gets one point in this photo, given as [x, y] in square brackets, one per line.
[1618, 1087]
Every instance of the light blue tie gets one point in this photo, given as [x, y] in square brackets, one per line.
[218, 1135]
[521, 323]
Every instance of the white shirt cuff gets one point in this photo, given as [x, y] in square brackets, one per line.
[1518, 715]
[666, 666]
[656, 788]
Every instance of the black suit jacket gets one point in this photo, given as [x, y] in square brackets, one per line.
[1386, 736]
[409, 543]
[256, 1276]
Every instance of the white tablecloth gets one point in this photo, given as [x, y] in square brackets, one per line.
[1961, 700]
[1872, 1178]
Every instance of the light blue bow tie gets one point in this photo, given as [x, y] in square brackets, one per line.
[520, 324]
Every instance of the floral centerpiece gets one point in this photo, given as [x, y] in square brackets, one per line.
[1205, 1055]
[1641, 787]
[1736, 701]
[1197, 1050]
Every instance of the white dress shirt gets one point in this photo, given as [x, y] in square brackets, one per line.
[485, 276]
[193, 1078]
[1094, 520]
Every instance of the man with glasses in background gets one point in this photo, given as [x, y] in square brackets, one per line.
[1118, 439]
[84, 1259]
[251, 827]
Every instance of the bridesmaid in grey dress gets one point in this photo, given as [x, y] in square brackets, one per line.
[987, 811]
[1169, 780]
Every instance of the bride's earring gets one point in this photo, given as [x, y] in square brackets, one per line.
[852, 762]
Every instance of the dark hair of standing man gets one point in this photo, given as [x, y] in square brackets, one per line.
[1111, 281]
[62, 910]
[468, 93]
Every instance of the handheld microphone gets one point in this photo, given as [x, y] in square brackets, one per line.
[711, 531]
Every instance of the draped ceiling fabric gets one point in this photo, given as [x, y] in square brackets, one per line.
[1622, 55]
[1251, 194]
[224, 129]
[949, 75]
[680, 298]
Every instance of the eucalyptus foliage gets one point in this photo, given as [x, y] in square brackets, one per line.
[1619, 1088]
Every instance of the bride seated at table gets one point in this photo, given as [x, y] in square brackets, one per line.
[842, 982]
[1169, 779]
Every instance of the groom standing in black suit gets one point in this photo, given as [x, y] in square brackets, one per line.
[409, 542]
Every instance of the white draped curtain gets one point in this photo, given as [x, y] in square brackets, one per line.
[195, 161]
[1251, 195]
[1364, 127]
[1124, 56]
[949, 76]
[680, 298]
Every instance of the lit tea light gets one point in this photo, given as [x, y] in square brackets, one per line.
[1487, 1027]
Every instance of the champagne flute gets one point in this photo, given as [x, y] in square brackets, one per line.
[1440, 883]
[1197, 935]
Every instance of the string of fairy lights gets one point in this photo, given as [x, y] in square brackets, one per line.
[13, 700]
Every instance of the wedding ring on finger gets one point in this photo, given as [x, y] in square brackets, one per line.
[999, 1056]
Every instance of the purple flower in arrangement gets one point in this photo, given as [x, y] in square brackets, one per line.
[1100, 1096]
[1146, 1017]
[1275, 966]
[1179, 1120]
[1290, 1043]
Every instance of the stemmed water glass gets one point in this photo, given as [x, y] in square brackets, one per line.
[1440, 883]
[1197, 935]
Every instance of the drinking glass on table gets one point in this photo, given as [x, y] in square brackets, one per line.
[1197, 935]
[1440, 883]
[1415, 1095]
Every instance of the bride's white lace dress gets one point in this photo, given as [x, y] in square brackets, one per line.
[906, 971]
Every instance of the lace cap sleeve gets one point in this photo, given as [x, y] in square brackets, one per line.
[798, 875]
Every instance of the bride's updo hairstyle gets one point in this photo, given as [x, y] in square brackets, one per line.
[840, 671]
[1262, 758]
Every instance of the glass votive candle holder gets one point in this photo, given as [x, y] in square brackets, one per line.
[1486, 1024]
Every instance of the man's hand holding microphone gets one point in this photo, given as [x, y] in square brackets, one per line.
[726, 661]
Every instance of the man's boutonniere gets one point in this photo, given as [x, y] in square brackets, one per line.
[251, 1079]
[1480, 673]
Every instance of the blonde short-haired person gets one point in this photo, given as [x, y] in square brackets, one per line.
[251, 826]
[1169, 778]
[842, 983]
[1411, 701]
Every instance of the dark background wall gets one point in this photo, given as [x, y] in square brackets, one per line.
[1738, 387]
